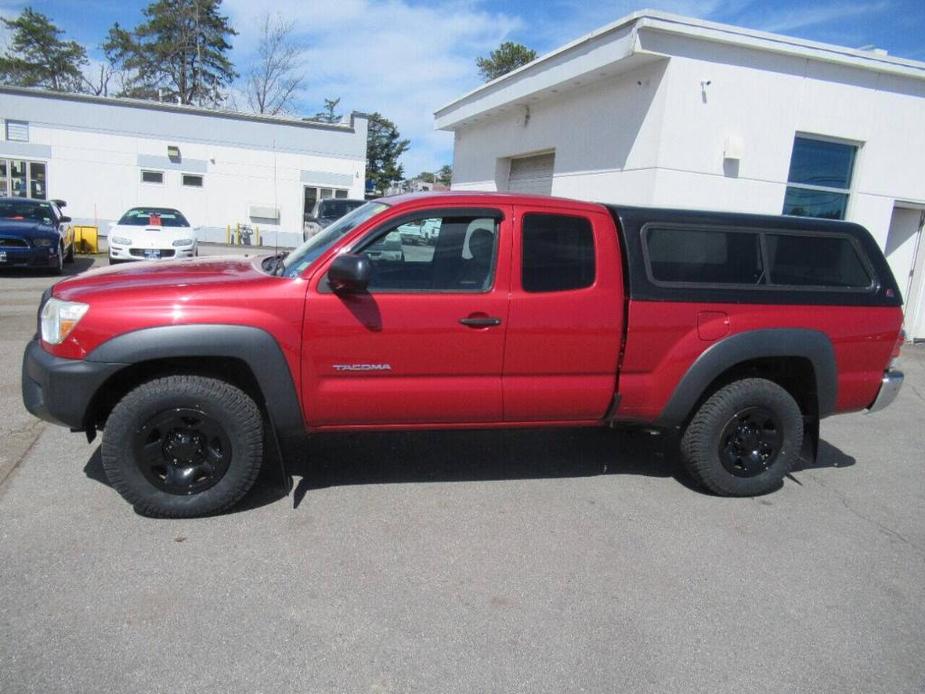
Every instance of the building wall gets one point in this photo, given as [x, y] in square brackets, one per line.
[95, 153]
[765, 100]
[605, 135]
[657, 135]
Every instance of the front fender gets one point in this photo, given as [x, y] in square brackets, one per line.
[255, 347]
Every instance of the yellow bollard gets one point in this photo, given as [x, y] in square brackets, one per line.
[228, 234]
[238, 229]
[257, 236]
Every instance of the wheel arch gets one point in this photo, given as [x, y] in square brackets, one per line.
[800, 360]
[247, 357]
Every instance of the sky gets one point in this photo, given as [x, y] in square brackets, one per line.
[407, 58]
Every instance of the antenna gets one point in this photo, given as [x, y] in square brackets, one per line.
[275, 203]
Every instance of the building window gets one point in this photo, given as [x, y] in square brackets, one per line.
[17, 131]
[820, 178]
[558, 253]
[23, 179]
[152, 176]
[192, 180]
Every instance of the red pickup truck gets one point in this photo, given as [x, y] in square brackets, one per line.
[738, 331]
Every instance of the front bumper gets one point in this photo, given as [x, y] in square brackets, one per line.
[32, 256]
[889, 388]
[117, 252]
[59, 390]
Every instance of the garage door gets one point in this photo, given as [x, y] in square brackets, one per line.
[532, 174]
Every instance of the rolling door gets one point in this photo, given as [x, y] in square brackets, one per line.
[532, 174]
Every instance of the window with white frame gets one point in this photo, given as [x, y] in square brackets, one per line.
[23, 179]
[192, 180]
[819, 181]
[152, 176]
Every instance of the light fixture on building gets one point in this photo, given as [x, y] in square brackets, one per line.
[173, 152]
[733, 148]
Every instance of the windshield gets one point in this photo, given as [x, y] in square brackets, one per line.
[22, 210]
[308, 252]
[332, 209]
[153, 216]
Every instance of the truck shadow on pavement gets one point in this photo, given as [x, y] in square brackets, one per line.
[335, 460]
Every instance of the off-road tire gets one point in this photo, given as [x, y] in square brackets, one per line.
[232, 410]
[703, 437]
[69, 257]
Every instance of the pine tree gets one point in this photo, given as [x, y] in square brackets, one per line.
[38, 57]
[179, 53]
[384, 146]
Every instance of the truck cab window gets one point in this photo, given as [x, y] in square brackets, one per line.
[558, 253]
[446, 254]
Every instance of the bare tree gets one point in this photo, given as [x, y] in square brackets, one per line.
[276, 76]
[96, 77]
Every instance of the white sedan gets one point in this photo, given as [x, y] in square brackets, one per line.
[151, 233]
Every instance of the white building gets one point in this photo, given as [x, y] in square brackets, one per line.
[668, 111]
[220, 168]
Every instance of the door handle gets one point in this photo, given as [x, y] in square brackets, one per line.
[480, 321]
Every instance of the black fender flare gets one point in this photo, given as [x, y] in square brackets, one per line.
[813, 345]
[255, 347]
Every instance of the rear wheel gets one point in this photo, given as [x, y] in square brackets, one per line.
[183, 446]
[744, 439]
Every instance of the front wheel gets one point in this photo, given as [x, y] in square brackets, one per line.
[744, 439]
[183, 446]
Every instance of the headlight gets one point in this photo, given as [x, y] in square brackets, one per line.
[183, 242]
[42, 243]
[59, 318]
[121, 240]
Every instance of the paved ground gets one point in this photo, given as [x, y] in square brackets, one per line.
[528, 561]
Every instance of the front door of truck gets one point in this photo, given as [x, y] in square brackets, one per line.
[424, 344]
[566, 317]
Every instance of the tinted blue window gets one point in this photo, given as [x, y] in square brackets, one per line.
[820, 163]
[803, 202]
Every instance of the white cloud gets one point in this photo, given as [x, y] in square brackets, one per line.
[789, 19]
[402, 60]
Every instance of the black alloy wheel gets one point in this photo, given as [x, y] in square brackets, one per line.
[750, 442]
[182, 451]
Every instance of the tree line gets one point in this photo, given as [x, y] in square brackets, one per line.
[179, 53]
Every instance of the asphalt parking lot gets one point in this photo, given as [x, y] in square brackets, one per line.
[466, 562]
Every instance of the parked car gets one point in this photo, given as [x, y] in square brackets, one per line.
[35, 234]
[326, 212]
[151, 233]
[738, 332]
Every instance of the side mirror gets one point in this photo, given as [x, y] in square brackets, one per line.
[350, 273]
[65, 219]
[60, 203]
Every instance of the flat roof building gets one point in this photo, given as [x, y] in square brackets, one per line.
[657, 109]
[104, 155]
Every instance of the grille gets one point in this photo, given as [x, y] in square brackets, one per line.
[13, 243]
[140, 252]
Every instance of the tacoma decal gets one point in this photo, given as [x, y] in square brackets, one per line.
[362, 367]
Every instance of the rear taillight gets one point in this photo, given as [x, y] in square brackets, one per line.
[897, 348]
